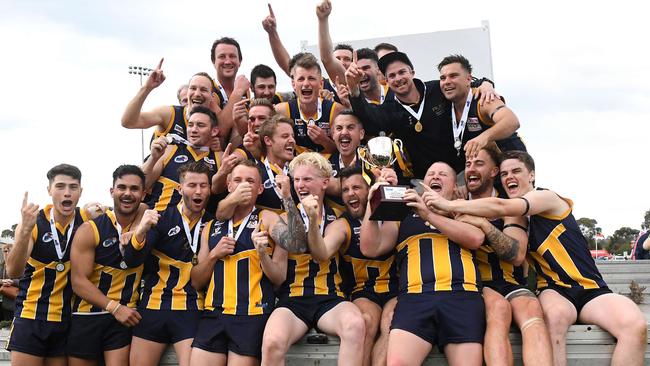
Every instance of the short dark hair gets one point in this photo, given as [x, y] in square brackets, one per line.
[262, 71]
[349, 171]
[263, 102]
[522, 156]
[127, 169]
[493, 151]
[204, 74]
[307, 61]
[205, 110]
[347, 112]
[269, 126]
[384, 46]
[64, 169]
[250, 164]
[367, 54]
[293, 60]
[198, 167]
[343, 46]
[452, 59]
[225, 40]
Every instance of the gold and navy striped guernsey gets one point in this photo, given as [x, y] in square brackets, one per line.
[45, 293]
[269, 198]
[360, 273]
[116, 283]
[164, 192]
[428, 261]
[167, 256]
[238, 285]
[560, 253]
[307, 277]
[323, 120]
[494, 269]
[177, 123]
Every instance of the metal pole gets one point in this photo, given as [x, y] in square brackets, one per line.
[140, 71]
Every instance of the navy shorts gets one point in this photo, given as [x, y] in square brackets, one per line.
[91, 335]
[241, 334]
[378, 298]
[167, 326]
[441, 318]
[38, 337]
[309, 309]
[507, 289]
[578, 297]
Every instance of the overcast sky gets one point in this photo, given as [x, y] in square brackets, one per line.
[577, 73]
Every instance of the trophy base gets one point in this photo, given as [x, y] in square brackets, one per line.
[387, 204]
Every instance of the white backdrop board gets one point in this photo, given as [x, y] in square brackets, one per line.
[426, 50]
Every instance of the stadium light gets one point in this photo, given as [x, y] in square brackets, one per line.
[140, 71]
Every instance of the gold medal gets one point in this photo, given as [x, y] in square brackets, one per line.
[418, 127]
[195, 260]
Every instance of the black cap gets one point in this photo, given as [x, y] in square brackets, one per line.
[391, 57]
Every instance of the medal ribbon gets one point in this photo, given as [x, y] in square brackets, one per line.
[192, 240]
[118, 227]
[223, 92]
[241, 226]
[382, 95]
[417, 115]
[180, 140]
[55, 235]
[459, 128]
[269, 172]
[319, 111]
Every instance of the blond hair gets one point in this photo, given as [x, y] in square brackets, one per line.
[314, 160]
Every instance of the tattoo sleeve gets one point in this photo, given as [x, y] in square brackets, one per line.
[291, 235]
[505, 246]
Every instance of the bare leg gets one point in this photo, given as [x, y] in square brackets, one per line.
[74, 361]
[282, 330]
[20, 359]
[145, 352]
[536, 341]
[56, 361]
[183, 351]
[406, 349]
[371, 314]
[559, 315]
[200, 357]
[240, 360]
[381, 345]
[117, 357]
[345, 321]
[497, 349]
[622, 318]
[464, 354]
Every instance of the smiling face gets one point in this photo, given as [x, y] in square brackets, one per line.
[307, 84]
[480, 173]
[516, 178]
[308, 180]
[199, 129]
[344, 56]
[455, 82]
[127, 194]
[258, 114]
[264, 88]
[347, 134]
[199, 92]
[226, 61]
[399, 77]
[195, 190]
[370, 71]
[281, 145]
[354, 192]
[65, 192]
[442, 179]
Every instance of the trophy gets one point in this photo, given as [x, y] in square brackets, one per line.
[387, 203]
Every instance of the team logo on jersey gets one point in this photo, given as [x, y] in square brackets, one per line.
[439, 109]
[473, 125]
[47, 237]
[334, 172]
[110, 241]
[268, 184]
[179, 129]
[252, 222]
[181, 159]
[357, 230]
[173, 231]
[217, 228]
[331, 217]
[209, 161]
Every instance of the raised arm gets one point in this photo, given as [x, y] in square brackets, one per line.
[333, 67]
[289, 233]
[505, 124]
[374, 118]
[510, 244]
[24, 241]
[279, 51]
[154, 166]
[202, 272]
[275, 265]
[143, 239]
[133, 117]
[377, 239]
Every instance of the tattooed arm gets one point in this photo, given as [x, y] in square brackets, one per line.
[510, 244]
[290, 235]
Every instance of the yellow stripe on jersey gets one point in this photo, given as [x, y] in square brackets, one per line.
[414, 272]
[554, 247]
[361, 275]
[168, 187]
[301, 272]
[469, 269]
[117, 283]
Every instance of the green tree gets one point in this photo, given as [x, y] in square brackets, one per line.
[645, 225]
[589, 228]
[622, 239]
[11, 233]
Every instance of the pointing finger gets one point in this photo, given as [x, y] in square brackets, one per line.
[354, 56]
[271, 10]
[426, 187]
[160, 64]
[25, 199]
[226, 152]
